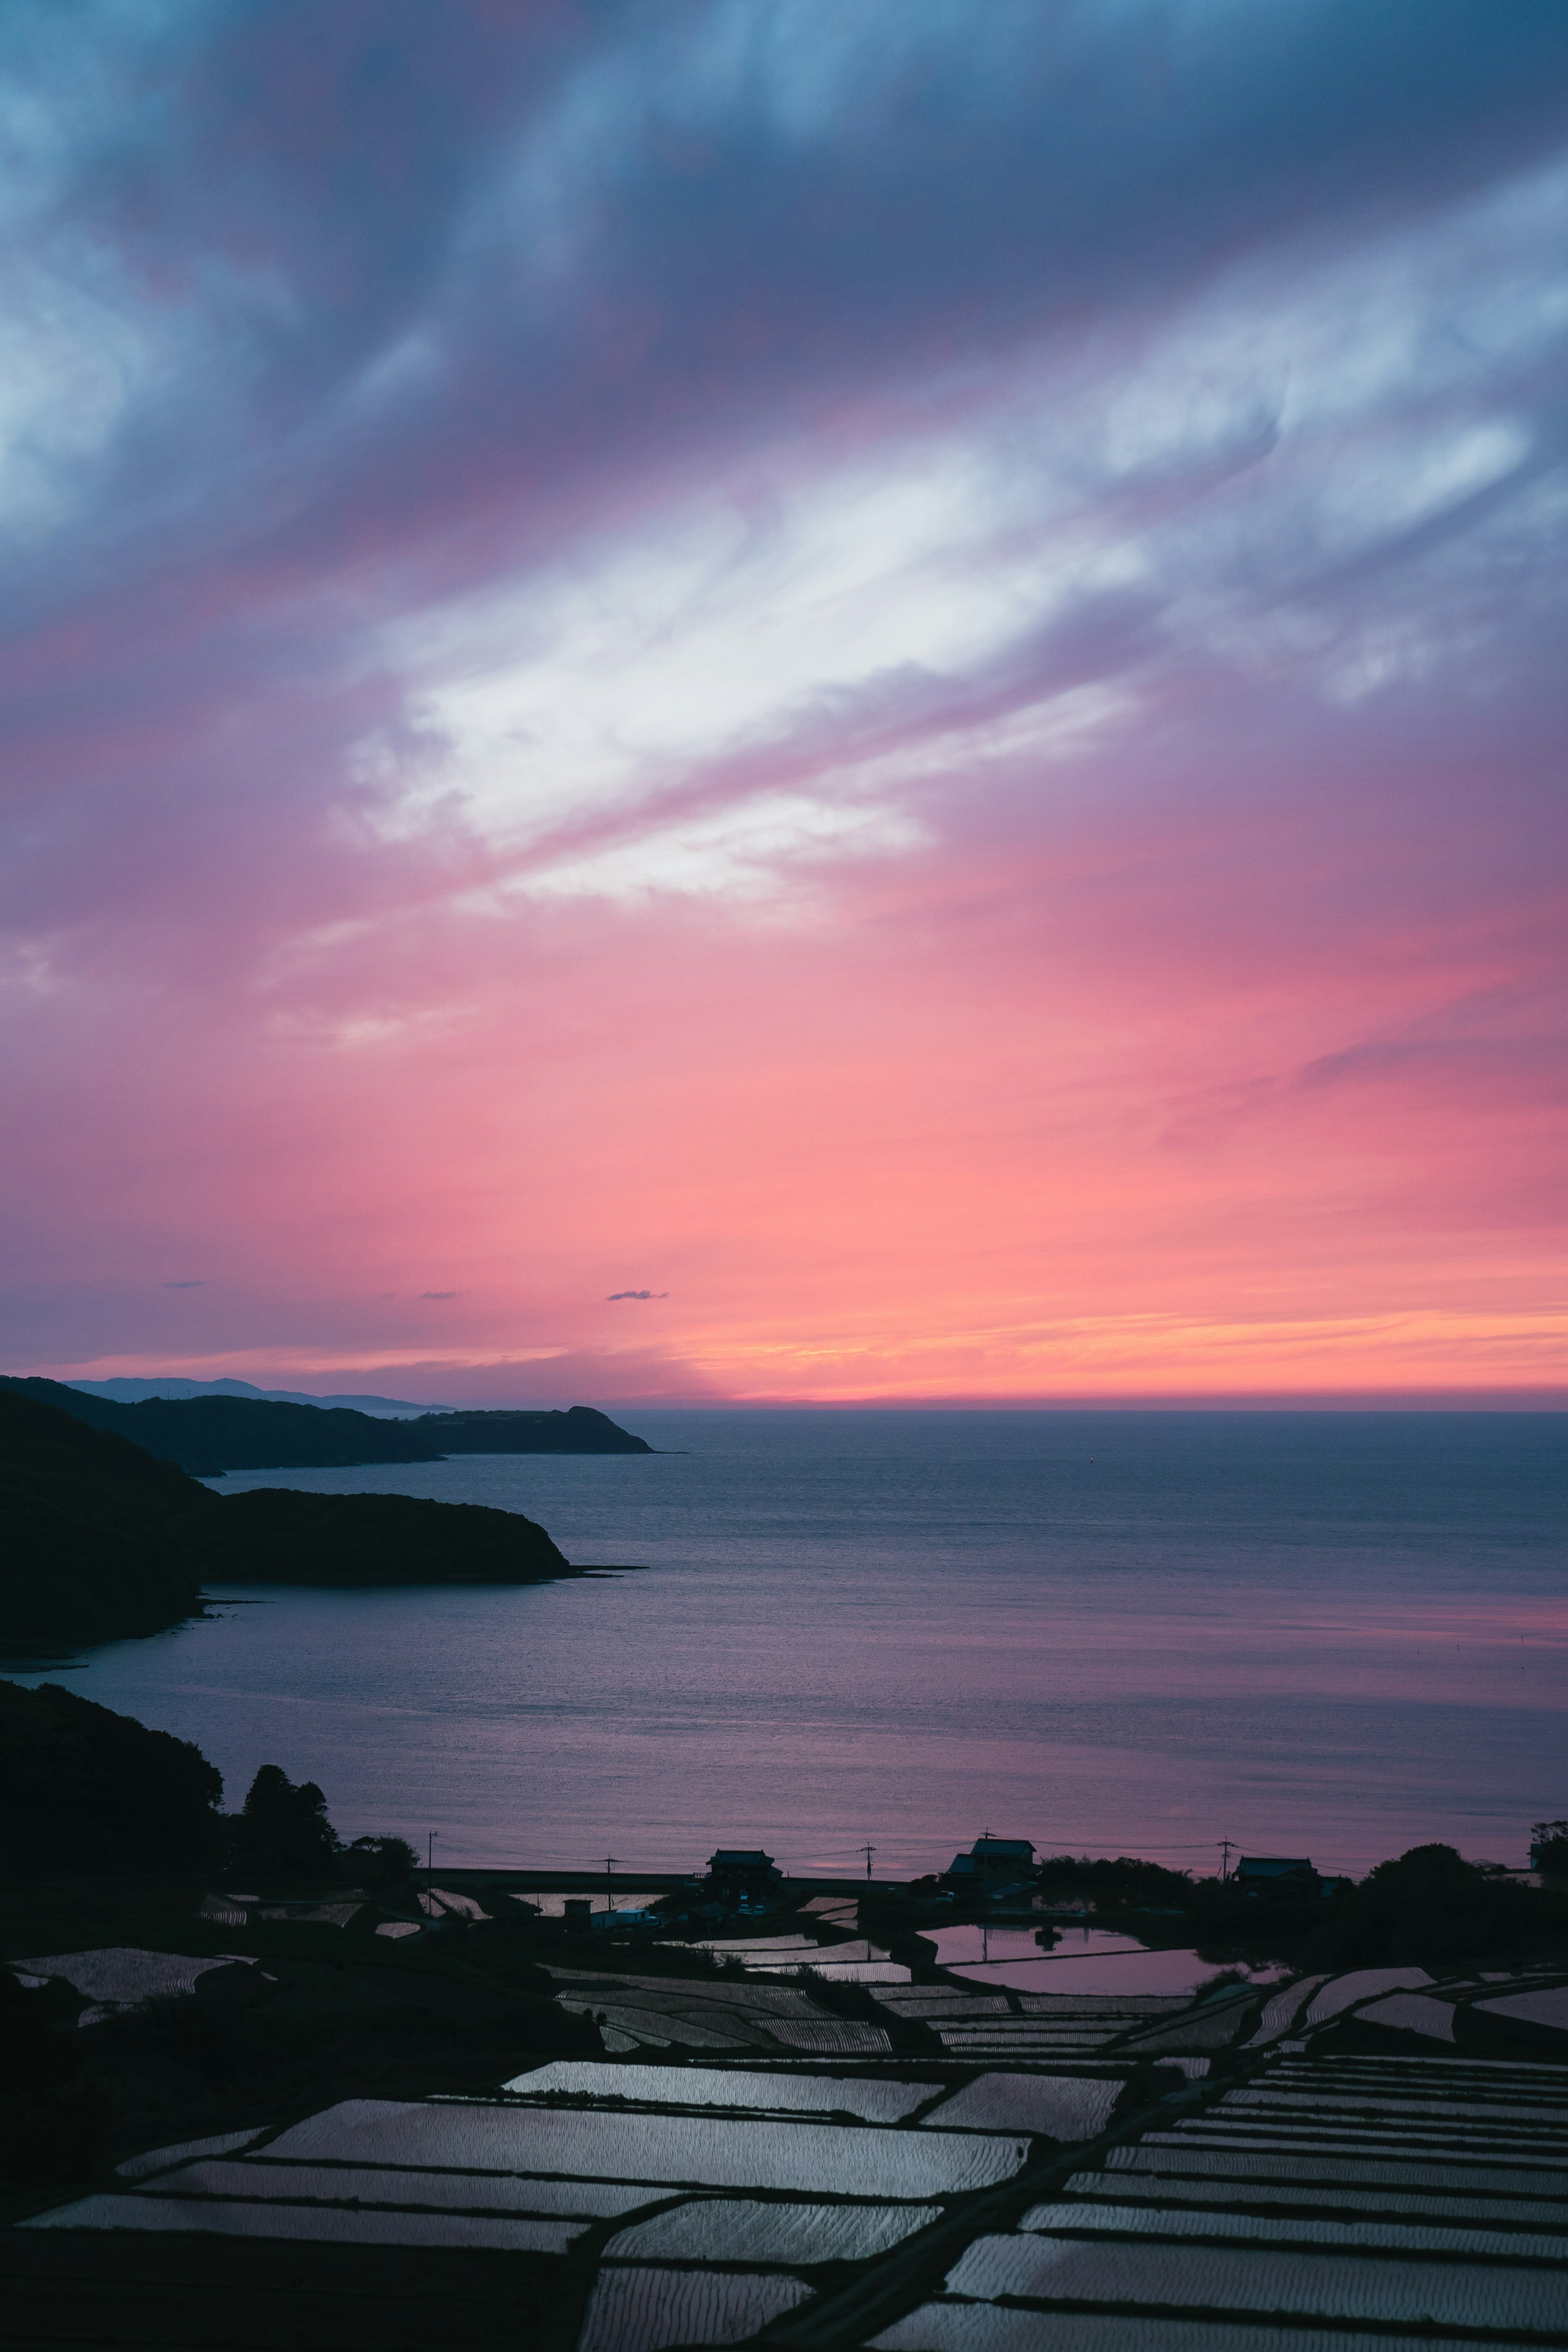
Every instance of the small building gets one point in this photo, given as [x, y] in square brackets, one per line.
[992, 1862]
[743, 1874]
[1276, 1874]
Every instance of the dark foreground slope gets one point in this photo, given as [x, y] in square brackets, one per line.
[89, 1550]
[98, 1541]
[90, 1790]
[208, 1436]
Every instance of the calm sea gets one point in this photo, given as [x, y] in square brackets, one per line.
[1335, 1635]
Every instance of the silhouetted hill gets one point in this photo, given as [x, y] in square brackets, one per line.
[579, 1430]
[131, 1392]
[274, 1535]
[208, 1436]
[87, 1788]
[98, 1540]
[87, 1522]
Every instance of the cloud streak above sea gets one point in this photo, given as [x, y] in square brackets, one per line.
[903, 665]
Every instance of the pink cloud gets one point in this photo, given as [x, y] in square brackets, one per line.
[978, 807]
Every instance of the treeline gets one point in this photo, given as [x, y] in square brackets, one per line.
[1429, 1906]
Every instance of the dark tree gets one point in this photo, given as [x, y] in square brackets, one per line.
[382, 1861]
[283, 1831]
[1431, 1907]
[1548, 1848]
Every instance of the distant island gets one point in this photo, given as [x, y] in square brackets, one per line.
[208, 1436]
[102, 1540]
[579, 1430]
[132, 1391]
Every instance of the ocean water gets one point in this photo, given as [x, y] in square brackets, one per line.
[1336, 1634]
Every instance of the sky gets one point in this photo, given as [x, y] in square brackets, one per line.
[732, 699]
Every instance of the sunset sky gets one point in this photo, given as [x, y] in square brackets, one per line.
[757, 699]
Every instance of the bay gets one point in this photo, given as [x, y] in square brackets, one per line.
[1337, 1635]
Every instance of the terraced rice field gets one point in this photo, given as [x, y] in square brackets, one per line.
[1547, 2007]
[1272, 2219]
[1341, 1993]
[1352, 2236]
[271, 2183]
[1355, 2106]
[1126, 2009]
[330, 2224]
[158, 2159]
[1339, 2202]
[709, 2087]
[756, 1950]
[847, 2160]
[837, 2037]
[707, 2014]
[1412, 2013]
[654, 2149]
[992, 2327]
[855, 1963]
[940, 2000]
[1016, 2037]
[637, 2310]
[729, 2230]
[1259, 2185]
[121, 1974]
[1281, 2012]
[1062, 2106]
[1196, 2152]
[1279, 2280]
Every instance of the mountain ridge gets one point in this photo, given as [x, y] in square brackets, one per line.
[209, 1437]
[103, 1541]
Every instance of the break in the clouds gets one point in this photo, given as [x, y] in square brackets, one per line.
[919, 636]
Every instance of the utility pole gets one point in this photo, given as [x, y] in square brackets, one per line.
[1225, 1845]
[868, 1851]
[609, 1861]
[430, 1852]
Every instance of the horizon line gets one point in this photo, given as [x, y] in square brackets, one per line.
[1455, 1398]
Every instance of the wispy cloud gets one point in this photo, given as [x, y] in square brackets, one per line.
[928, 638]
